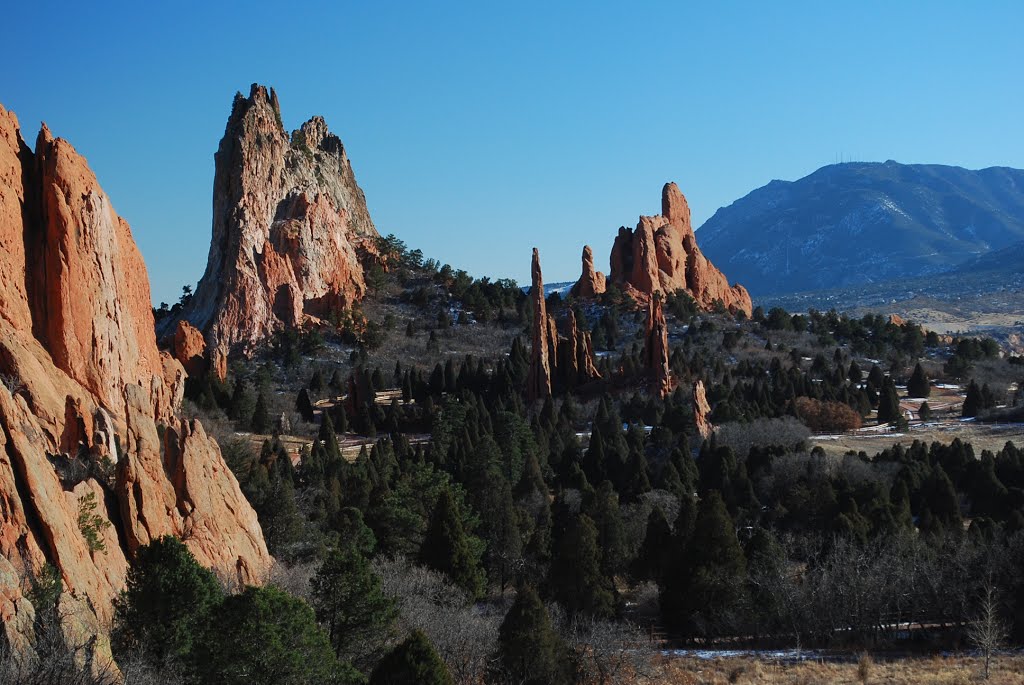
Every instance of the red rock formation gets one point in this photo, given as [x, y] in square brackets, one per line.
[575, 355]
[538, 382]
[189, 348]
[661, 255]
[592, 283]
[555, 359]
[288, 218]
[701, 410]
[83, 377]
[655, 354]
[897, 320]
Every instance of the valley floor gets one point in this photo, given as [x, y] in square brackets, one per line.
[936, 670]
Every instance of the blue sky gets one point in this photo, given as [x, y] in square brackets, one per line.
[479, 130]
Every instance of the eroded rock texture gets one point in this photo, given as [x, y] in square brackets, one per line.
[84, 388]
[702, 410]
[189, 348]
[656, 353]
[289, 221]
[661, 256]
[556, 361]
[592, 282]
[538, 380]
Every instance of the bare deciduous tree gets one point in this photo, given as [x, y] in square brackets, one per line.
[464, 634]
[987, 631]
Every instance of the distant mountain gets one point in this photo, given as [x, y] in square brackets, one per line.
[857, 224]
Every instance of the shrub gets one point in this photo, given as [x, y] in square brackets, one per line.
[825, 417]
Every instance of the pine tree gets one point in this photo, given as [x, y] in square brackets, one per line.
[530, 652]
[304, 405]
[260, 422]
[167, 598]
[264, 636]
[925, 412]
[352, 607]
[705, 596]
[413, 662]
[446, 547]
[888, 404]
[973, 401]
[316, 382]
[919, 385]
[654, 555]
[575, 579]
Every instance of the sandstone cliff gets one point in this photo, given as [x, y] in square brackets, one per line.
[84, 389]
[661, 256]
[288, 222]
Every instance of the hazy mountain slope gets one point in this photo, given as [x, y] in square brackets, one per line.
[861, 223]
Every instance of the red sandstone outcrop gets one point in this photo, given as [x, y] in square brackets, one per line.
[288, 219]
[538, 380]
[897, 320]
[83, 380]
[575, 355]
[661, 256]
[701, 410]
[592, 283]
[655, 354]
[189, 348]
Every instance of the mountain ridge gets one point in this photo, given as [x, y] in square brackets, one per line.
[906, 220]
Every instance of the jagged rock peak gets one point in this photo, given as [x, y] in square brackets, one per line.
[661, 255]
[289, 226]
[674, 206]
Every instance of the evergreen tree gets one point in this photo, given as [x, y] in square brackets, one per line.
[446, 547]
[653, 558]
[575, 579]
[352, 607]
[919, 385]
[264, 636]
[925, 412]
[167, 599]
[889, 404]
[973, 401]
[854, 373]
[260, 422]
[530, 652]
[413, 662]
[316, 383]
[279, 516]
[710, 593]
[304, 405]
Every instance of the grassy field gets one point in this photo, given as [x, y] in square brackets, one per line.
[938, 670]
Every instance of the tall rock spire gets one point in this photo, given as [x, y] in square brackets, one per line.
[592, 282]
[655, 353]
[538, 382]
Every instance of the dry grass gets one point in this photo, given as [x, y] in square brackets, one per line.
[954, 670]
[980, 436]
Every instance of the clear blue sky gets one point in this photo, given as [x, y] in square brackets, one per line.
[479, 130]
